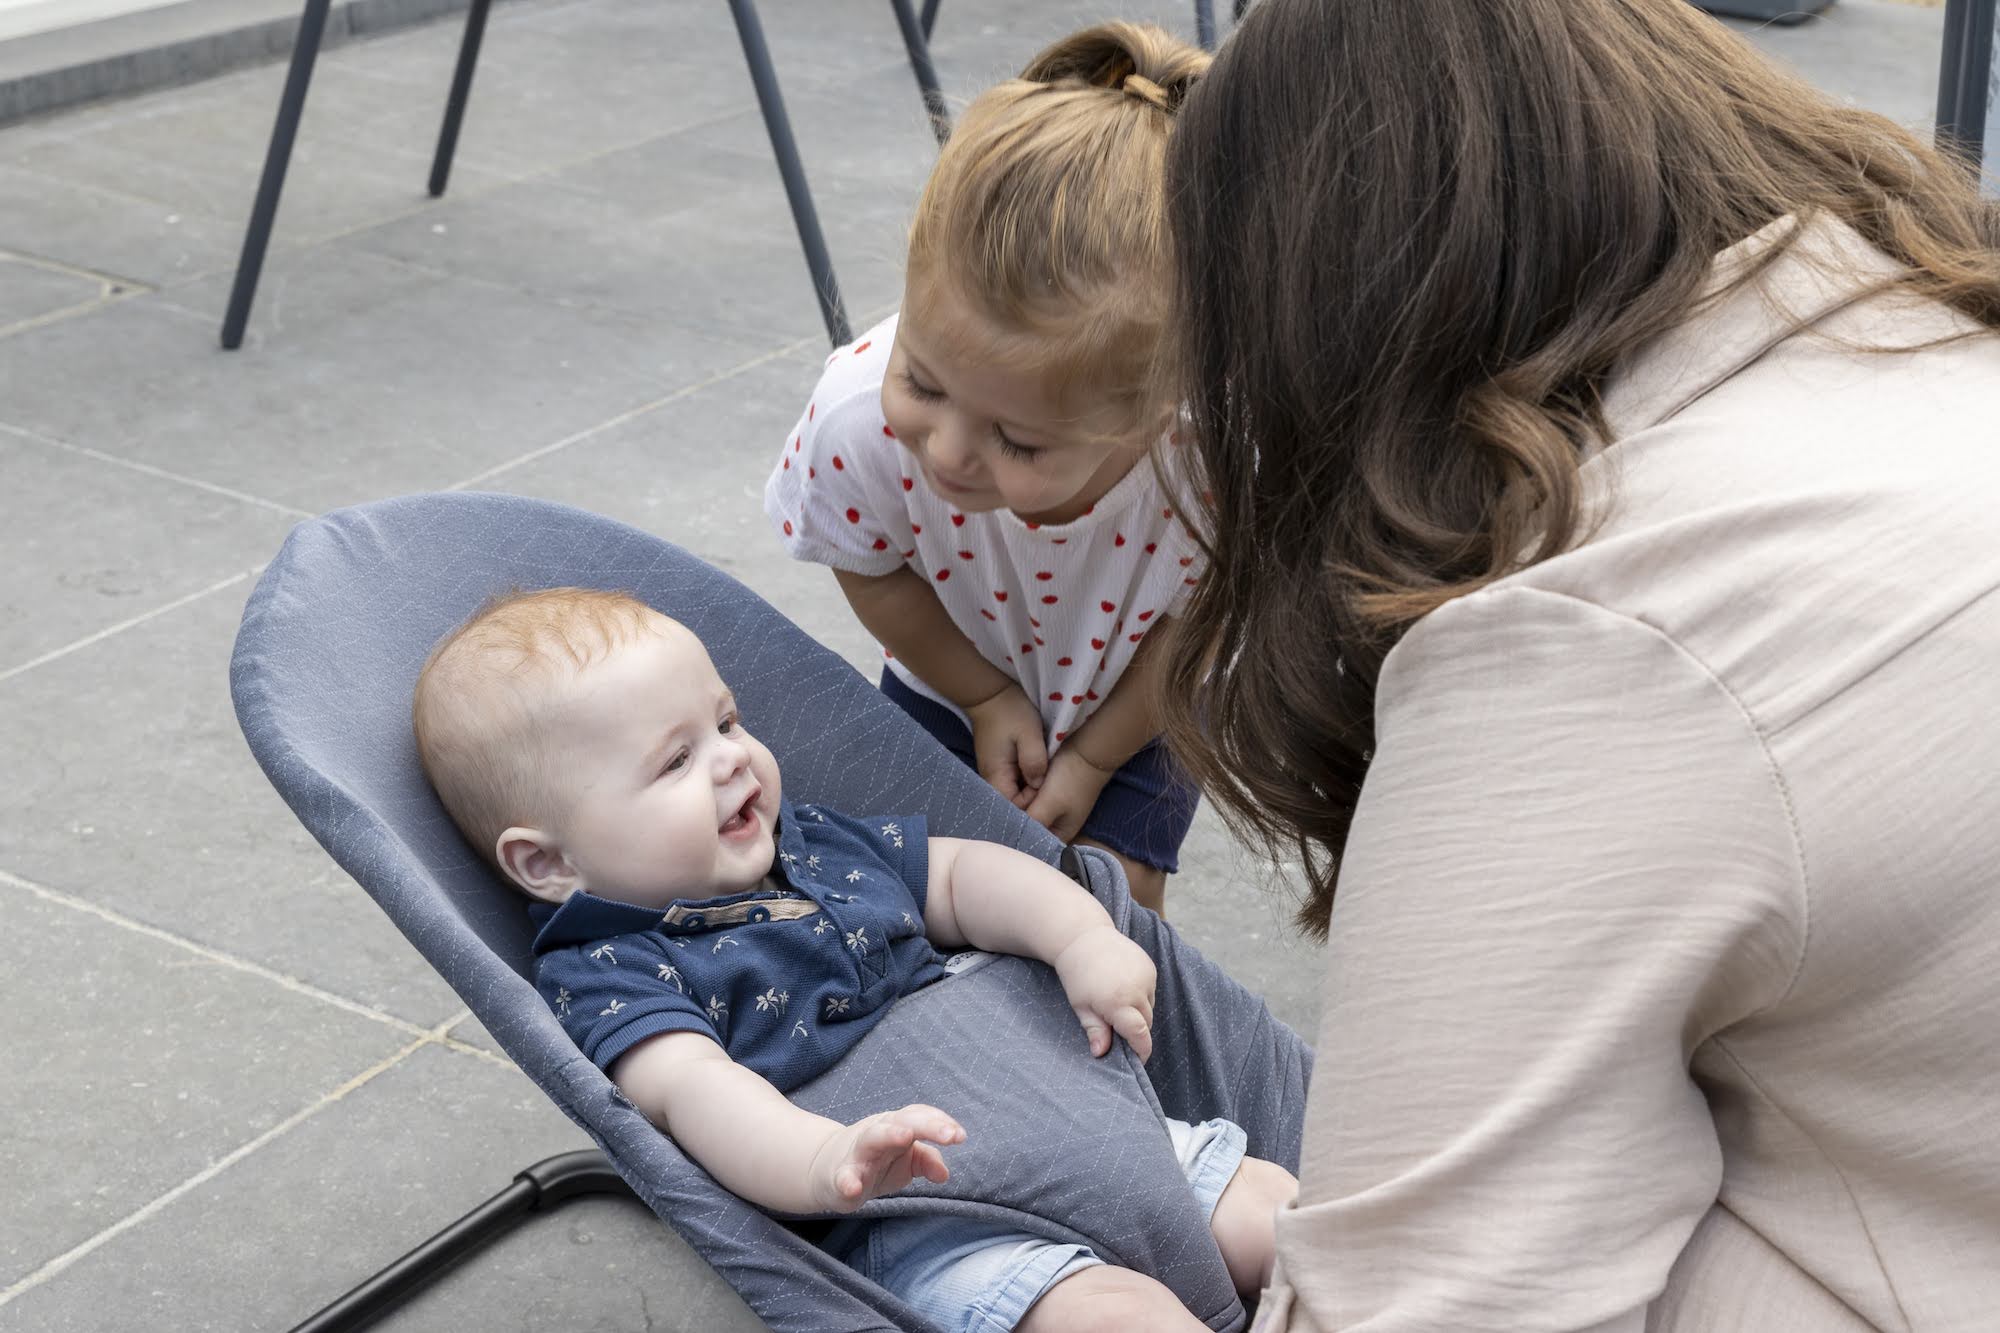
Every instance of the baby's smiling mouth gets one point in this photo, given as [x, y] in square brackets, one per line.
[744, 816]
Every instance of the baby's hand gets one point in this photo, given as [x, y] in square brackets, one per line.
[1109, 981]
[881, 1155]
[1007, 742]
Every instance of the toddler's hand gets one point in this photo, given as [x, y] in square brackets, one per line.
[1068, 795]
[1007, 742]
[881, 1155]
[1109, 981]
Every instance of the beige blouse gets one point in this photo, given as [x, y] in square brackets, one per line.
[1663, 989]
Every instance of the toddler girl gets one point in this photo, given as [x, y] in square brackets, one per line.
[975, 468]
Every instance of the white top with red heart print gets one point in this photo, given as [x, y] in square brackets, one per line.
[1061, 608]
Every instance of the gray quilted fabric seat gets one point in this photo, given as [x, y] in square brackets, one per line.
[328, 651]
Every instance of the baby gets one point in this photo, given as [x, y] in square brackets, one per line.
[711, 947]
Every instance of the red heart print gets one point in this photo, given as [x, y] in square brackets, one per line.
[1117, 539]
[1144, 616]
[1166, 513]
[1060, 541]
[1089, 511]
[854, 516]
[795, 443]
[1000, 595]
[1034, 527]
[1076, 698]
[1152, 547]
[916, 527]
[788, 527]
[1062, 661]
[1190, 582]
[864, 347]
[907, 483]
[1027, 648]
[1038, 642]
[788, 465]
[965, 555]
[1055, 697]
[1186, 560]
[890, 433]
[1097, 644]
[1036, 623]
[1090, 695]
[943, 574]
[881, 545]
[958, 520]
[1060, 735]
[1050, 600]
[810, 409]
[811, 472]
[910, 554]
[1044, 575]
[838, 466]
[1109, 607]
[1136, 637]
[988, 614]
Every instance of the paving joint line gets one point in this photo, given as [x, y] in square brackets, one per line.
[148, 469]
[215, 1168]
[438, 1034]
[123, 625]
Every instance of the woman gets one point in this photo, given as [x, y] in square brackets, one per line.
[1602, 433]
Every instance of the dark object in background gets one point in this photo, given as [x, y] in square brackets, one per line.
[1778, 11]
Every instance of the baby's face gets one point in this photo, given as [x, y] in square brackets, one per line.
[672, 797]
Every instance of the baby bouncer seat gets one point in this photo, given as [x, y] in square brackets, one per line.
[324, 664]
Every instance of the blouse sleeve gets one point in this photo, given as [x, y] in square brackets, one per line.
[1572, 864]
[826, 495]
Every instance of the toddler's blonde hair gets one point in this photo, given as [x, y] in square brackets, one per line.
[482, 707]
[1046, 215]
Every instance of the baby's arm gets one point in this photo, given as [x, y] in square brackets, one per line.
[995, 898]
[742, 1131]
[907, 618]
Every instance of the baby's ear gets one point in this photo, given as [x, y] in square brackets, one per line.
[537, 866]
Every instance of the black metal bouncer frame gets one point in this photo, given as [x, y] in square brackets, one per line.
[915, 28]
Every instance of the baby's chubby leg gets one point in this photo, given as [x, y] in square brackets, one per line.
[1245, 1221]
[1102, 1299]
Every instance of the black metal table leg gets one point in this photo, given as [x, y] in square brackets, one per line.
[547, 1184]
[291, 106]
[917, 43]
[758, 56]
[1964, 74]
[930, 17]
[461, 88]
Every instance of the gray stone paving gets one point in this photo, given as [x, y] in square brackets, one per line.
[230, 1089]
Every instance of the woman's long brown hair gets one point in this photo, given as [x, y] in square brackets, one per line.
[1413, 239]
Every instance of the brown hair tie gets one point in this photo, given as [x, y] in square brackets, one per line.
[1143, 88]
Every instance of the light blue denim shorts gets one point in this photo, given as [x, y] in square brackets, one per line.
[970, 1276]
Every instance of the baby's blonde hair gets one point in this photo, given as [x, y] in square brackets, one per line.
[481, 710]
[1046, 214]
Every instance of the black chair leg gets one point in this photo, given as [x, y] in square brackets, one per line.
[1964, 74]
[786, 149]
[917, 42]
[461, 88]
[1204, 24]
[291, 106]
[545, 1185]
[930, 17]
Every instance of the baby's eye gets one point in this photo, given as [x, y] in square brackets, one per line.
[728, 725]
[920, 390]
[677, 763]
